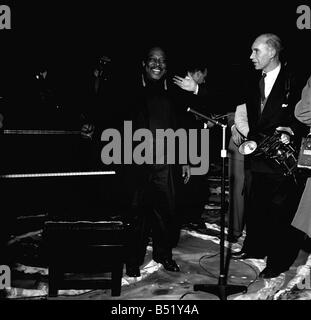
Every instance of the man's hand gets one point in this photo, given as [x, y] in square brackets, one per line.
[236, 136]
[285, 137]
[186, 83]
[186, 173]
[87, 130]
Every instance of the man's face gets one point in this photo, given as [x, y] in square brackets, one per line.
[262, 54]
[155, 65]
[199, 76]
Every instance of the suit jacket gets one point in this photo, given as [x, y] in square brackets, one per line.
[278, 111]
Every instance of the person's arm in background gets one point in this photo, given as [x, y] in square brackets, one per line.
[241, 120]
[240, 128]
[303, 107]
[295, 126]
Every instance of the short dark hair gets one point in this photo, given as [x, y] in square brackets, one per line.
[151, 48]
[197, 66]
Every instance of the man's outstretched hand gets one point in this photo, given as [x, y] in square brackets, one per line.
[187, 83]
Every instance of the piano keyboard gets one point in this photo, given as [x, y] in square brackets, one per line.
[56, 174]
[42, 132]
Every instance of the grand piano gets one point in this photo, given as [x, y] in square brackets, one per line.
[57, 173]
[52, 172]
[47, 166]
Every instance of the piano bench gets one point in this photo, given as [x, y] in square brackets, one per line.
[75, 249]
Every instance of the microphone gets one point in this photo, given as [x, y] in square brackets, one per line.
[207, 118]
[221, 116]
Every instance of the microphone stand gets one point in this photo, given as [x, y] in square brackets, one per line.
[222, 289]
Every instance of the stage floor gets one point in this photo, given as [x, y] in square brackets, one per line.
[197, 254]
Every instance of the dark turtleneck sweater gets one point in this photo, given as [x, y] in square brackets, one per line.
[159, 110]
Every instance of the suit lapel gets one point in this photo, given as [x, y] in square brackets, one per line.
[275, 95]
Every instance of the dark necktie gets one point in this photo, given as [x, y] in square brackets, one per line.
[262, 91]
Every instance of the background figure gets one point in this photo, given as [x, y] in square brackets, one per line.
[239, 179]
[193, 196]
[302, 219]
[239, 173]
[273, 197]
[153, 185]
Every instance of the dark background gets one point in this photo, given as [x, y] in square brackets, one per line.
[76, 32]
[70, 36]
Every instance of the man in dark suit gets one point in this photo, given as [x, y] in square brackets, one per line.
[153, 185]
[269, 107]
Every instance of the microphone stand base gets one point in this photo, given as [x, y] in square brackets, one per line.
[220, 290]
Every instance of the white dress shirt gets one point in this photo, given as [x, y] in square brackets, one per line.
[240, 117]
[270, 79]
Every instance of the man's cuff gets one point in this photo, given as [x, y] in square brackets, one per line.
[196, 90]
[286, 129]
